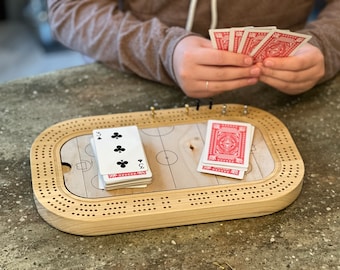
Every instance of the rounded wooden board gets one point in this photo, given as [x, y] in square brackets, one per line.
[125, 211]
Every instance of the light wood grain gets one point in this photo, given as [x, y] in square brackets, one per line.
[173, 140]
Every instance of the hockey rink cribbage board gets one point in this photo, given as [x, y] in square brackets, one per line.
[65, 174]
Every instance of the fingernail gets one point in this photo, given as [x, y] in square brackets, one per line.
[268, 63]
[248, 60]
[255, 71]
[252, 81]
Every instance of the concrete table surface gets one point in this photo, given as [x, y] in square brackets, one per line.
[305, 235]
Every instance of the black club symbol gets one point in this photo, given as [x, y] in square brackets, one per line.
[122, 163]
[116, 135]
[119, 149]
[99, 135]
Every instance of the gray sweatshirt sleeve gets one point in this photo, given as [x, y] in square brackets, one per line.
[118, 39]
[145, 47]
[326, 36]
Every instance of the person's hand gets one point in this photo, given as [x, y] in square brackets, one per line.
[202, 71]
[295, 74]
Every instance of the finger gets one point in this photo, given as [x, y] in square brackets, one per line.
[216, 73]
[291, 88]
[214, 57]
[306, 57]
[292, 76]
[291, 63]
[203, 89]
[217, 86]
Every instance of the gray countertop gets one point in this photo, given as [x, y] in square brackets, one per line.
[305, 235]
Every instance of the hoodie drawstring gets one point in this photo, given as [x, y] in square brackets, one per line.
[213, 14]
[191, 14]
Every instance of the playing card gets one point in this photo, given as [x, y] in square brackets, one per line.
[251, 38]
[220, 38]
[228, 143]
[236, 35]
[125, 176]
[279, 43]
[121, 159]
[120, 151]
[136, 183]
[220, 170]
[103, 185]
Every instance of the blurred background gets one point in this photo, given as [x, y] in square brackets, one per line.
[27, 47]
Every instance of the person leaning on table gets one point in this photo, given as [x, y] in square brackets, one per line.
[167, 41]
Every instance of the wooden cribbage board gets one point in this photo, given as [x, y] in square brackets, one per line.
[64, 173]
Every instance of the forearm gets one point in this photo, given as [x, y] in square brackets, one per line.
[100, 30]
[325, 31]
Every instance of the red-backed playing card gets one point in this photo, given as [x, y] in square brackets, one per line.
[228, 143]
[279, 44]
[236, 35]
[220, 170]
[251, 38]
[220, 39]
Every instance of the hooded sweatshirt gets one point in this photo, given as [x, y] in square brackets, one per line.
[139, 36]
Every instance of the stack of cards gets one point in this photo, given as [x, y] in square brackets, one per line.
[120, 158]
[258, 42]
[227, 148]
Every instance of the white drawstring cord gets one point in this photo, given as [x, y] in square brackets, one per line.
[191, 14]
[213, 14]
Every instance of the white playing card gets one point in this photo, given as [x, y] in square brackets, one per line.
[120, 157]
[102, 184]
[119, 150]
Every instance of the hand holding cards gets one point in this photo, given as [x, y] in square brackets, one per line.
[258, 42]
[227, 148]
[120, 158]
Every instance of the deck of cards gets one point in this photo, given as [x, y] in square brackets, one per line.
[227, 148]
[120, 157]
[258, 42]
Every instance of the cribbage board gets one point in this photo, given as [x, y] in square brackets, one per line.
[65, 182]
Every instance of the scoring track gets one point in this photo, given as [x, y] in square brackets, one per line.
[64, 173]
